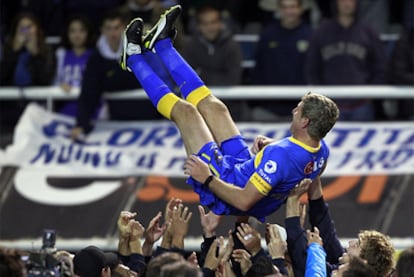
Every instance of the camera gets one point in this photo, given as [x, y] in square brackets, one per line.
[49, 240]
[43, 263]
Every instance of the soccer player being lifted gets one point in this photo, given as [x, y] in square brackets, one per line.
[222, 171]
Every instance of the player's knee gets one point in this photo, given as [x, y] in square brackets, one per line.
[213, 105]
[183, 111]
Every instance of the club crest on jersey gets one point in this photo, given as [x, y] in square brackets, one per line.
[270, 167]
[308, 168]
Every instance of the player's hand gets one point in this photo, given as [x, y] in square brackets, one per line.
[196, 168]
[260, 142]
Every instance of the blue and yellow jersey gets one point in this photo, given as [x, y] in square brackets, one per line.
[279, 167]
[274, 171]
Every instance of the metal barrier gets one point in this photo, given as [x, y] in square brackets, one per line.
[53, 93]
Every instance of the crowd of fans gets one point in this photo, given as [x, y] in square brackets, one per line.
[289, 250]
[300, 42]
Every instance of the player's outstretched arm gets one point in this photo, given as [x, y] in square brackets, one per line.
[240, 198]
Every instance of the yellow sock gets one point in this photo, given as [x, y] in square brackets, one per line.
[166, 104]
[197, 95]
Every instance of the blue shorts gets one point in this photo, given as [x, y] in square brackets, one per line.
[221, 161]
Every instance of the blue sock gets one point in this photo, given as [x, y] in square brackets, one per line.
[158, 92]
[184, 76]
[152, 84]
[158, 66]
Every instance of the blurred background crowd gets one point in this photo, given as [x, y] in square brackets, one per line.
[76, 45]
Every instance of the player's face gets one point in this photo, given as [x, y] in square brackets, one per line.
[296, 117]
[210, 25]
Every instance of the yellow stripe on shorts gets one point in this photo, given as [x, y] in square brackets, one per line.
[207, 157]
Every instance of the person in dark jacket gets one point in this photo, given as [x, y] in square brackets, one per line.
[280, 55]
[212, 52]
[103, 74]
[402, 70]
[344, 51]
[214, 55]
[27, 59]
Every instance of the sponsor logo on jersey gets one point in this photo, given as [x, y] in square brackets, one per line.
[264, 176]
[270, 167]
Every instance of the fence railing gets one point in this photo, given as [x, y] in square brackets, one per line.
[53, 93]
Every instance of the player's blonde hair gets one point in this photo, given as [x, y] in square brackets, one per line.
[322, 113]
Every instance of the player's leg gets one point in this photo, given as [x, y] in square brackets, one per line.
[193, 129]
[192, 87]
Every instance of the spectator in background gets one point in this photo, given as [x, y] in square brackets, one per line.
[103, 74]
[344, 51]
[27, 60]
[229, 9]
[402, 70]
[376, 13]
[270, 10]
[212, 52]
[280, 54]
[77, 44]
[94, 10]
